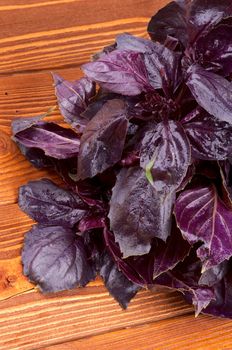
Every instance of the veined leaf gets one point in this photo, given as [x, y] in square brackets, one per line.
[203, 217]
[166, 155]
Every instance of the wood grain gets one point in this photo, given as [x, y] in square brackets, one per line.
[31, 320]
[55, 34]
[185, 332]
[14, 223]
[37, 36]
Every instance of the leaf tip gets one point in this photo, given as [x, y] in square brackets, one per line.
[56, 78]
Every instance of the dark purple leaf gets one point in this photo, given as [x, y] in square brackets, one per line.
[132, 43]
[225, 183]
[93, 240]
[142, 270]
[91, 193]
[88, 188]
[97, 103]
[214, 275]
[103, 140]
[187, 21]
[138, 213]
[116, 282]
[203, 217]
[152, 107]
[210, 139]
[130, 159]
[73, 98]
[169, 21]
[35, 156]
[132, 148]
[222, 306]
[91, 221]
[56, 259]
[166, 155]
[54, 140]
[67, 170]
[122, 72]
[49, 204]
[200, 296]
[188, 177]
[21, 124]
[154, 58]
[191, 115]
[163, 65]
[168, 255]
[212, 92]
[216, 49]
[184, 278]
[171, 43]
[205, 14]
[216, 172]
[209, 170]
[138, 269]
[163, 256]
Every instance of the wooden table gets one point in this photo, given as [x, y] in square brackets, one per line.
[37, 36]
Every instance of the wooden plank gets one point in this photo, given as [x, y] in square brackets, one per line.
[29, 94]
[14, 224]
[50, 34]
[43, 35]
[185, 332]
[32, 320]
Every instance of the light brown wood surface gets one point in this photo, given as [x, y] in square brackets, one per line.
[37, 36]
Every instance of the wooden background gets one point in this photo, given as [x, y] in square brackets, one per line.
[37, 36]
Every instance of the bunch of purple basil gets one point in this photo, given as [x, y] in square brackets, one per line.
[146, 165]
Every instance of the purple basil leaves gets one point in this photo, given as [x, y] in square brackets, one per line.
[212, 92]
[73, 99]
[165, 156]
[143, 270]
[103, 140]
[221, 306]
[119, 286]
[165, 24]
[146, 164]
[120, 71]
[203, 217]
[54, 140]
[56, 259]
[187, 21]
[162, 64]
[138, 213]
[211, 139]
[184, 277]
[215, 49]
[49, 204]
